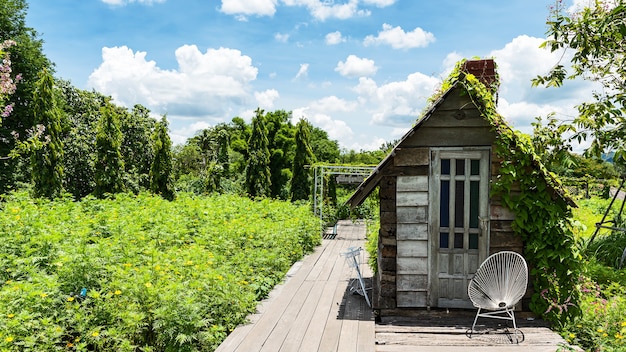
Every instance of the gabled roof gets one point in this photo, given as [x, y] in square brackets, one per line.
[484, 70]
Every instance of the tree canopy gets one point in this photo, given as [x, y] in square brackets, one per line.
[597, 37]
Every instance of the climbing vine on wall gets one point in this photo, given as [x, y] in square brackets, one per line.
[542, 212]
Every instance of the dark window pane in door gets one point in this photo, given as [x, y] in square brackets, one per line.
[474, 202]
[475, 167]
[444, 241]
[458, 240]
[460, 166]
[459, 198]
[473, 241]
[444, 203]
[445, 166]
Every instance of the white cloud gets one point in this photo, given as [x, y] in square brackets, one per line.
[266, 98]
[397, 38]
[336, 129]
[283, 38]
[210, 85]
[249, 7]
[396, 103]
[124, 2]
[325, 9]
[380, 3]
[334, 104]
[356, 67]
[334, 38]
[303, 72]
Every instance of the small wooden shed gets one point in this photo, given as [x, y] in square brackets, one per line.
[438, 220]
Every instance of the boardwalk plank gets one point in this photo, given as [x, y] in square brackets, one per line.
[298, 313]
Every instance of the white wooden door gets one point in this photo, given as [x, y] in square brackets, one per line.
[459, 233]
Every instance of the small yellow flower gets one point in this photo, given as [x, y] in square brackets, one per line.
[605, 335]
[43, 295]
[624, 323]
[117, 292]
[128, 265]
[600, 330]
[95, 334]
[10, 315]
[70, 299]
[9, 339]
[572, 335]
[619, 336]
[148, 284]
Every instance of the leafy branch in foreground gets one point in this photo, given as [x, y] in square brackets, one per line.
[597, 36]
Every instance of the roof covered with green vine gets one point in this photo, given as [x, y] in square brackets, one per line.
[508, 141]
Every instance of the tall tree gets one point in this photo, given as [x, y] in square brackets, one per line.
[280, 134]
[82, 111]
[28, 60]
[47, 161]
[109, 169]
[161, 169]
[597, 36]
[258, 176]
[137, 130]
[300, 186]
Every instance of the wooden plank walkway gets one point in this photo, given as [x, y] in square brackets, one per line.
[313, 310]
[442, 330]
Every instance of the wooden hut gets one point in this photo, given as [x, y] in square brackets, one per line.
[438, 219]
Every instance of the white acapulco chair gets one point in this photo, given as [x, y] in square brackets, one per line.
[498, 285]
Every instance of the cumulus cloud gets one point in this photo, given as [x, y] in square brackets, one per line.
[211, 84]
[337, 129]
[266, 98]
[356, 67]
[521, 60]
[334, 38]
[322, 9]
[397, 38]
[396, 103]
[124, 2]
[244, 8]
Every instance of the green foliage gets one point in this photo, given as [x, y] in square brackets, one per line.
[161, 169]
[602, 325]
[138, 273]
[258, 173]
[300, 187]
[596, 36]
[137, 148]
[542, 215]
[47, 161]
[27, 59]
[109, 163]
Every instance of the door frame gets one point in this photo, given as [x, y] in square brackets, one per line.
[433, 224]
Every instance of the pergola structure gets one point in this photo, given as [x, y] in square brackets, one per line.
[350, 173]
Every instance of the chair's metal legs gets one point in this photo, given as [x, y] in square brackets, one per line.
[510, 315]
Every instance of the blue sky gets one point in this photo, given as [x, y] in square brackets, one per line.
[360, 69]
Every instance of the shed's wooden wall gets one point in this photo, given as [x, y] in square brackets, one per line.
[403, 261]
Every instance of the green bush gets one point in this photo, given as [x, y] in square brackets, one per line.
[138, 272]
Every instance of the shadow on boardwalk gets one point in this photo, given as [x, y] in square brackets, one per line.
[315, 309]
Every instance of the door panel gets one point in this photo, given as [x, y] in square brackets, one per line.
[460, 180]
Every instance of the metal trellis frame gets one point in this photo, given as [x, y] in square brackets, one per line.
[320, 171]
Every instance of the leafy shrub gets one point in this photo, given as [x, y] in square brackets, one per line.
[138, 272]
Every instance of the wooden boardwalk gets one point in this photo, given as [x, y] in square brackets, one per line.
[314, 310]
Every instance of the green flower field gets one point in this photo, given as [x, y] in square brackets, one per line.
[138, 273]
